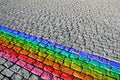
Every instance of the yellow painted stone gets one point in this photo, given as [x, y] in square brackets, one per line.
[76, 67]
[51, 58]
[58, 60]
[42, 54]
[96, 75]
[86, 71]
[67, 64]
[108, 78]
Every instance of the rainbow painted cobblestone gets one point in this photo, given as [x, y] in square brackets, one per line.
[50, 60]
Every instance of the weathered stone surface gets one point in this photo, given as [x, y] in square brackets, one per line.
[7, 72]
[91, 26]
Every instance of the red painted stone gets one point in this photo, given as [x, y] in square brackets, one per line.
[39, 64]
[66, 76]
[57, 73]
[48, 69]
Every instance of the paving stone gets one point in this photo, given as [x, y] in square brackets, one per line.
[2, 60]
[24, 73]
[8, 64]
[7, 72]
[15, 68]
[2, 67]
[34, 77]
[1, 76]
[5, 78]
[16, 77]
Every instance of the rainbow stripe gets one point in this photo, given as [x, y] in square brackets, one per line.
[50, 60]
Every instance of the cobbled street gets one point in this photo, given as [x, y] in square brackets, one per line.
[91, 26]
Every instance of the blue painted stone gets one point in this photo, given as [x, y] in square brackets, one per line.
[32, 37]
[103, 60]
[21, 34]
[67, 48]
[74, 51]
[105, 66]
[51, 43]
[59, 46]
[75, 56]
[84, 59]
[45, 41]
[115, 64]
[27, 36]
[15, 32]
[84, 54]
[93, 62]
[92, 56]
[39, 39]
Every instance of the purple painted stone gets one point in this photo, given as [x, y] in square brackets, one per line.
[29, 67]
[21, 63]
[46, 76]
[13, 59]
[7, 56]
[2, 53]
[37, 71]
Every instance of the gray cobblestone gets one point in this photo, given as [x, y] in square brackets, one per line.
[5, 78]
[7, 72]
[2, 60]
[85, 23]
[24, 73]
[1, 76]
[8, 64]
[1, 67]
[15, 68]
[34, 77]
[16, 77]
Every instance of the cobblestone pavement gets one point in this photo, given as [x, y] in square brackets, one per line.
[92, 26]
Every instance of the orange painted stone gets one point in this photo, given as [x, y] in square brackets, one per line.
[79, 75]
[24, 52]
[41, 59]
[48, 62]
[56, 66]
[67, 70]
[34, 56]
[17, 49]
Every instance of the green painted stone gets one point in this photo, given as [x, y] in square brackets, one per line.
[100, 70]
[68, 59]
[43, 49]
[89, 66]
[59, 56]
[113, 75]
[78, 62]
[50, 52]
